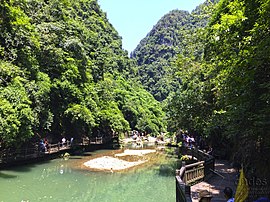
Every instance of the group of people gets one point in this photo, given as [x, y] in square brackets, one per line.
[191, 141]
[43, 145]
[65, 142]
[206, 196]
[136, 134]
[187, 139]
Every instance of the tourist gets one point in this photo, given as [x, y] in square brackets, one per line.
[71, 141]
[189, 141]
[46, 143]
[210, 150]
[192, 141]
[63, 141]
[205, 196]
[228, 193]
[42, 147]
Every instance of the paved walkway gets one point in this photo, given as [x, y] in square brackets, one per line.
[225, 177]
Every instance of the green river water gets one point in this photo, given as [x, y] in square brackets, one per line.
[68, 180]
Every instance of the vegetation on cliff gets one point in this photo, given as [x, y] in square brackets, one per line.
[175, 33]
[63, 72]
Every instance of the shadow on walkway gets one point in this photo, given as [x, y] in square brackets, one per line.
[225, 176]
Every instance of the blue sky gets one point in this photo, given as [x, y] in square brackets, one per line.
[133, 19]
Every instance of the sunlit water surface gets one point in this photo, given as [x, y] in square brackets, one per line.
[68, 180]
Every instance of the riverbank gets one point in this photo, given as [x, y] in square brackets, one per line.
[30, 155]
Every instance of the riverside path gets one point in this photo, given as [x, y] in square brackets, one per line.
[223, 176]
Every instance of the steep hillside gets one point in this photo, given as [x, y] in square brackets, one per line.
[62, 72]
[174, 34]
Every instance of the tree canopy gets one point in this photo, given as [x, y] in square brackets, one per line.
[225, 96]
[63, 72]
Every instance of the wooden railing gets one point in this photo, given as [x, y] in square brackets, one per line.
[96, 140]
[93, 140]
[9, 155]
[54, 148]
[192, 173]
[182, 191]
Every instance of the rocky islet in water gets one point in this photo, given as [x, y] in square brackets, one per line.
[115, 163]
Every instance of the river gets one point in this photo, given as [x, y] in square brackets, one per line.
[68, 180]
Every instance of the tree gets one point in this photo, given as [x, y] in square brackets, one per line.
[59, 62]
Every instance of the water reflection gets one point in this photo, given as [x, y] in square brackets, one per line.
[59, 180]
[7, 176]
[60, 168]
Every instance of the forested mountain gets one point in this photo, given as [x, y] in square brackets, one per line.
[63, 73]
[174, 34]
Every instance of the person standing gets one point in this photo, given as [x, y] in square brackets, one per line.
[63, 141]
[228, 193]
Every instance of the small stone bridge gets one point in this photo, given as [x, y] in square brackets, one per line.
[207, 174]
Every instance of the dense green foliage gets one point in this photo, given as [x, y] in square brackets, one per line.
[238, 51]
[226, 95]
[157, 50]
[63, 72]
[175, 33]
